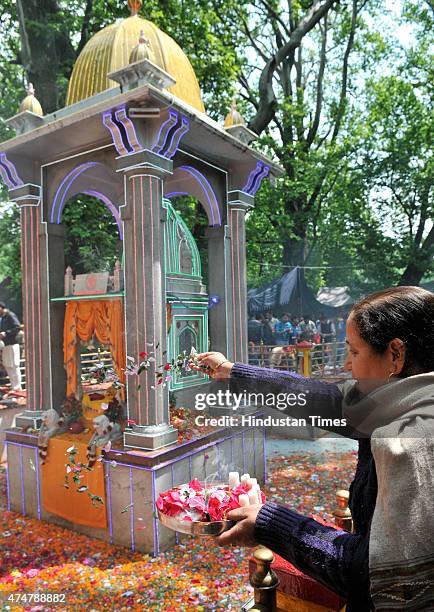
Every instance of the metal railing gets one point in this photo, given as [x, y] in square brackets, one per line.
[324, 360]
[87, 360]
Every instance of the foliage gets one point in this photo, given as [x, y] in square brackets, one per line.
[76, 470]
[333, 94]
[343, 132]
[10, 256]
[92, 238]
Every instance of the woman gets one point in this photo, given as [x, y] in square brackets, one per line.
[387, 563]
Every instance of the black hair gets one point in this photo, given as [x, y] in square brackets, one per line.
[2, 305]
[406, 313]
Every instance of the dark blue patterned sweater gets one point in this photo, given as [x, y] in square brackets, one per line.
[337, 559]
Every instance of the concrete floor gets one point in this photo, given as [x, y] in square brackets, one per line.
[325, 444]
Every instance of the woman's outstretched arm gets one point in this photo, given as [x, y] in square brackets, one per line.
[304, 396]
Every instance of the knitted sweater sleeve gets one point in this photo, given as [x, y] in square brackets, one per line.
[322, 399]
[335, 558]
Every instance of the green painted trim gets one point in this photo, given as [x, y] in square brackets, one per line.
[100, 296]
[175, 223]
[173, 347]
[196, 307]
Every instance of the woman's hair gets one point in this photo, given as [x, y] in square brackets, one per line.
[406, 313]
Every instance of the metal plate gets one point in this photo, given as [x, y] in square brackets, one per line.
[197, 528]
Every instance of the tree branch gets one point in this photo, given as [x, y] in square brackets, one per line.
[319, 88]
[85, 29]
[253, 42]
[299, 95]
[275, 16]
[343, 95]
[422, 220]
[267, 98]
[26, 54]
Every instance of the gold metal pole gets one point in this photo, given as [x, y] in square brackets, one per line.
[264, 581]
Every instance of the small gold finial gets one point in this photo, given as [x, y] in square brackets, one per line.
[135, 6]
[142, 50]
[30, 102]
[234, 117]
[143, 40]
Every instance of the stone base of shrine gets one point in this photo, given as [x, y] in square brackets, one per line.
[134, 479]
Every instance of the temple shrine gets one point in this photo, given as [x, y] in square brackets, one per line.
[135, 135]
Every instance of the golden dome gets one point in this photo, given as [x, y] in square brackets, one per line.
[30, 103]
[234, 117]
[111, 48]
[142, 50]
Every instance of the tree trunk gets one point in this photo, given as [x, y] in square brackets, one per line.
[420, 262]
[415, 271]
[294, 250]
[45, 48]
[294, 237]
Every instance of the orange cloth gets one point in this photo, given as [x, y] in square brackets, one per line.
[83, 319]
[68, 503]
[168, 317]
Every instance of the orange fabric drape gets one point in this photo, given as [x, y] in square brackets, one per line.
[168, 317]
[104, 318]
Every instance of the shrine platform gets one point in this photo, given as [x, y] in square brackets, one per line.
[133, 481]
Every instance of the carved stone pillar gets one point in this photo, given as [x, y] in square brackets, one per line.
[35, 305]
[238, 204]
[145, 300]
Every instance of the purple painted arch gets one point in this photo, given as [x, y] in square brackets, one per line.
[187, 180]
[90, 178]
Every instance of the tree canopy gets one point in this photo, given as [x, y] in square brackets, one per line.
[338, 92]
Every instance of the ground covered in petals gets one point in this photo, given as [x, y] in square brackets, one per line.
[38, 557]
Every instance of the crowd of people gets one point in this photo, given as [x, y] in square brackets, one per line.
[270, 338]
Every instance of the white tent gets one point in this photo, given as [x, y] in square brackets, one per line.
[334, 296]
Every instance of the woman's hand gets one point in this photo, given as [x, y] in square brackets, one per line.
[243, 532]
[215, 364]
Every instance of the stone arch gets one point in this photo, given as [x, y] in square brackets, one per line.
[90, 178]
[188, 180]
